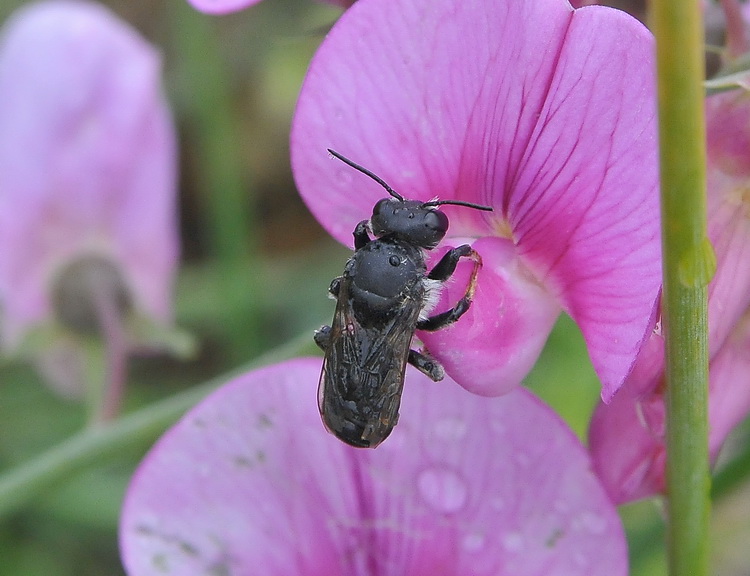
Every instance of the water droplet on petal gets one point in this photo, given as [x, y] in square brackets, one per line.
[497, 503]
[522, 460]
[498, 426]
[513, 541]
[580, 559]
[443, 489]
[450, 429]
[344, 176]
[473, 542]
[591, 522]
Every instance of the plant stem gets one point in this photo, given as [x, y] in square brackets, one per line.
[226, 192]
[21, 484]
[688, 266]
[112, 346]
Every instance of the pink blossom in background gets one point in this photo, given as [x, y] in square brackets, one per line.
[544, 112]
[87, 161]
[221, 6]
[626, 437]
[249, 482]
[228, 6]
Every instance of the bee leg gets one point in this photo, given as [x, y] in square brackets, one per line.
[445, 268]
[335, 286]
[442, 271]
[361, 237]
[427, 365]
[322, 337]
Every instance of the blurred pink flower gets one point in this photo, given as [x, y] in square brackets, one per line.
[627, 436]
[227, 6]
[543, 112]
[249, 482]
[87, 166]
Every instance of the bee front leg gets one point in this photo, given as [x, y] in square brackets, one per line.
[427, 365]
[361, 236]
[322, 337]
[443, 270]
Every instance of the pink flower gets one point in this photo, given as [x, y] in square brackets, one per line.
[544, 112]
[227, 6]
[627, 436]
[249, 482]
[87, 167]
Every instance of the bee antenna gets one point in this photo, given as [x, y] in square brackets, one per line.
[365, 171]
[459, 203]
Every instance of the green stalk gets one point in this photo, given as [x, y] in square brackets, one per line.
[95, 377]
[21, 484]
[226, 191]
[688, 267]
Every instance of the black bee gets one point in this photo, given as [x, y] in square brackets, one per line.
[384, 295]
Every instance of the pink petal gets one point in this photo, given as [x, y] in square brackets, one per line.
[729, 391]
[249, 482]
[495, 344]
[221, 6]
[87, 158]
[545, 113]
[729, 232]
[728, 139]
[626, 436]
[589, 223]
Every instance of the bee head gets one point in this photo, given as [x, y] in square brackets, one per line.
[411, 221]
[419, 223]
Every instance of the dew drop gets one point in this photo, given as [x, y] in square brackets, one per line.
[498, 426]
[497, 503]
[580, 559]
[450, 429]
[591, 522]
[443, 489]
[473, 542]
[513, 542]
[522, 460]
[344, 176]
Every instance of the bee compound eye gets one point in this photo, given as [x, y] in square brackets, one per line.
[435, 220]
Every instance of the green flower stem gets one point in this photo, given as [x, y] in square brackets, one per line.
[222, 177]
[108, 355]
[94, 354]
[21, 484]
[688, 266]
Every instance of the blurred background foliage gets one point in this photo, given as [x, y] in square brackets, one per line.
[255, 270]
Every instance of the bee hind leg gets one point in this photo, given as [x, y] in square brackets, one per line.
[322, 337]
[427, 365]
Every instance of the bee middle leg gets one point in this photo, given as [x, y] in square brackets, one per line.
[427, 365]
[443, 270]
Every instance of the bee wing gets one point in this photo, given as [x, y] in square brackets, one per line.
[363, 372]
